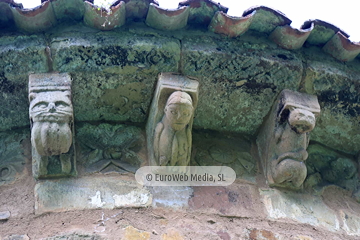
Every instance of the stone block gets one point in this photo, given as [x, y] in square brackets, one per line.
[171, 197]
[172, 234]
[110, 148]
[111, 96]
[4, 215]
[303, 208]
[234, 200]
[351, 222]
[89, 193]
[215, 149]
[113, 72]
[327, 166]
[338, 90]
[20, 55]
[132, 233]
[14, 153]
[17, 237]
[114, 51]
[262, 234]
[239, 80]
[75, 236]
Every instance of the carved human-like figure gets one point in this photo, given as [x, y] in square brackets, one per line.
[169, 126]
[284, 138]
[172, 141]
[50, 113]
[51, 116]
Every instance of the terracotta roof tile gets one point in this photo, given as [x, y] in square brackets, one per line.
[266, 19]
[322, 32]
[167, 19]
[201, 12]
[230, 26]
[37, 19]
[290, 38]
[341, 48]
[103, 19]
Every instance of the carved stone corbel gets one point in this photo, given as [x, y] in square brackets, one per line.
[169, 127]
[284, 138]
[52, 125]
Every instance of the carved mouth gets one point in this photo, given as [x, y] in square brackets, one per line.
[299, 156]
[51, 117]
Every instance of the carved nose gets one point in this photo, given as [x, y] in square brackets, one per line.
[52, 107]
[301, 121]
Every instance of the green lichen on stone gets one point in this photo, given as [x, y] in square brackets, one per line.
[19, 56]
[326, 166]
[237, 79]
[320, 35]
[107, 147]
[14, 152]
[76, 52]
[265, 21]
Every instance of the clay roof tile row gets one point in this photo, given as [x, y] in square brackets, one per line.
[263, 19]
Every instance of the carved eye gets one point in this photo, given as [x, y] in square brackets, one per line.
[40, 106]
[61, 104]
[173, 112]
[186, 114]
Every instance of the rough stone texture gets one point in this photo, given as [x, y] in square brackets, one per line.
[75, 236]
[14, 153]
[20, 55]
[132, 233]
[337, 87]
[347, 208]
[204, 222]
[237, 77]
[89, 193]
[231, 201]
[129, 63]
[351, 223]
[116, 97]
[302, 208]
[110, 148]
[113, 73]
[171, 197]
[262, 234]
[239, 80]
[326, 166]
[215, 149]
[17, 237]
[4, 215]
[113, 52]
[172, 234]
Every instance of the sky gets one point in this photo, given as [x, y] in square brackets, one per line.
[339, 13]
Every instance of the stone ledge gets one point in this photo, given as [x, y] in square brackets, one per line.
[89, 193]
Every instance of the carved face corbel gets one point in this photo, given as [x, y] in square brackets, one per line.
[51, 118]
[169, 127]
[284, 138]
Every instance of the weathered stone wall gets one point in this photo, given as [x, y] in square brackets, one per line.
[114, 76]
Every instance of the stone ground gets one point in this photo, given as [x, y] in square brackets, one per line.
[235, 212]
